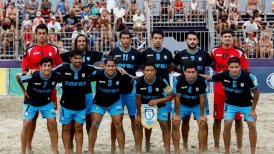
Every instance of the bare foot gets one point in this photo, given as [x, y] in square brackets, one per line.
[147, 147]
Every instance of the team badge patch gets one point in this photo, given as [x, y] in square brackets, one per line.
[157, 89]
[132, 57]
[149, 116]
[83, 75]
[242, 84]
[117, 83]
[200, 58]
[165, 57]
[88, 58]
[197, 89]
[167, 90]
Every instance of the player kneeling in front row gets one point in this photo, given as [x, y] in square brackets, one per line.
[190, 97]
[37, 98]
[154, 91]
[238, 85]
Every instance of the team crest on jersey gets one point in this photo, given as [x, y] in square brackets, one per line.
[165, 57]
[242, 84]
[88, 58]
[83, 75]
[117, 83]
[200, 58]
[157, 89]
[167, 90]
[50, 53]
[197, 89]
[132, 57]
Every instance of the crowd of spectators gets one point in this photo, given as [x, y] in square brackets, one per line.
[102, 20]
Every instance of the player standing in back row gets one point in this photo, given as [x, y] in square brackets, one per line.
[162, 59]
[221, 55]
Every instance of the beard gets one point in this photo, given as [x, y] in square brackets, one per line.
[192, 48]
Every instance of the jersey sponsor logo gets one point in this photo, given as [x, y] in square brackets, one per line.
[50, 53]
[185, 87]
[126, 65]
[164, 66]
[67, 73]
[270, 80]
[102, 81]
[227, 81]
[37, 84]
[36, 53]
[46, 91]
[167, 90]
[218, 55]
[75, 84]
[143, 88]
[117, 56]
[184, 57]
[150, 55]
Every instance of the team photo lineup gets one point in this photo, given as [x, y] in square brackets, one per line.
[147, 99]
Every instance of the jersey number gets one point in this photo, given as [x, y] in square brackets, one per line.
[234, 85]
[158, 57]
[109, 83]
[149, 89]
[45, 84]
[125, 57]
[189, 90]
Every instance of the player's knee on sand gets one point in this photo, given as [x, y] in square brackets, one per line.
[202, 125]
[118, 124]
[52, 124]
[27, 123]
[228, 123]
[66, 127]
[78, 127]
[163, 124]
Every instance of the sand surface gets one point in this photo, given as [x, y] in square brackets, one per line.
[11, 124]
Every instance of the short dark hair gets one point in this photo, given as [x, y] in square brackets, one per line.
[191, 33]
[234, 60]
[46, 60]
[148, 63]
[125, 32]
[190, 64]
[110, 58]
[227, 31]
[157, 32]
[42, 26]
[76, 53]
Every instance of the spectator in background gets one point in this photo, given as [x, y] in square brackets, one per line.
[232, 20]
[54, 24]
[45, 7]
[62, 8]
[139, 21]
[234, 6]
[75, 33]
[12, 12]
[26, 22]
[105, 20]
[20, 5]
[94, 36]
[101, 3]
[6, 29]
[120, 26]
[1, 13]
[95, 9]
[193, 9]
[27, 37]
[179, 8]
[32, 7]
[111, 5]
[9, 38]
[258, 20]
[252, 5]
[125, 6]
[77, 7]
[51, 14]
[166, 8]
[84, 16]
[266, 46]
[272, 6]
[60, 45]
[106, 39]
[70, 22]
[133, 6]
[249, 26]
[37, 20]
[52, 36]
[104, 7]
[251, 45]
[119, 12]
[220, 6]
[237, 41]
[222, 19]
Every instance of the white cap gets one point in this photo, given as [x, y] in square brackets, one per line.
[38, 14]
[53, 17]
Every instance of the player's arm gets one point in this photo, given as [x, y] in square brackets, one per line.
[244, 62]
[177, 117]
[256, 92]
[25, 62]
[18, 79]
